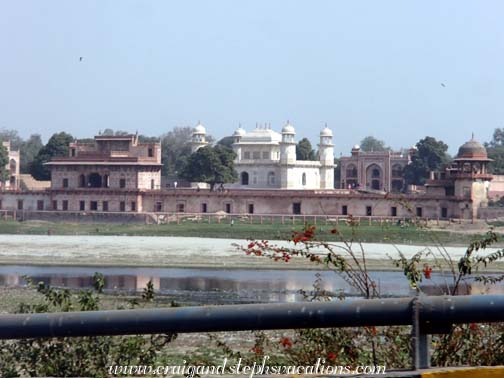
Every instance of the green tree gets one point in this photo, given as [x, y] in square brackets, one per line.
[430, 155]
[56, 146]
[497, 155]
[13, 137]
[212, 165]
[370, 144]
[304, 150]
[497, 138]
[176, 149]
[495, 150]
[337, 173]
[226, 141]
[147, 139]
[28, 151]
[4, 160]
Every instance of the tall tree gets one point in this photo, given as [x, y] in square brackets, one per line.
[430, 155]
[111, 132]
[497, 138]
[337, 173]
[304, 150]
[495, 150]
[147, 139]
[370, 144]
[56, 146]
[4, 160]
[227, 141]
[13, 137]
[212, 165]
[28, 151]
[176, 149]
[496, 153]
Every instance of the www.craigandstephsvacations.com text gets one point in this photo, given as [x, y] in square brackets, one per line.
[239, 368]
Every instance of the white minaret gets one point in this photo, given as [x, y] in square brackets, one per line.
[287, 156]
[288, 145]
[198, 137]
[326, 155]
[237, 135]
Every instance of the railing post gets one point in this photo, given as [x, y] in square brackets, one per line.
[420, 340]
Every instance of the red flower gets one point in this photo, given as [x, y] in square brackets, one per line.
[331, 356]
[372, 330]
[296, 238]
[473, 327]
[286, 342]
[257, 350]
[251, 245]
[427, 270]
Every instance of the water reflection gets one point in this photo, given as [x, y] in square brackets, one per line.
[222, 286]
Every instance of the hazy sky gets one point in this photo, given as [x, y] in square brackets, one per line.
[364, 67]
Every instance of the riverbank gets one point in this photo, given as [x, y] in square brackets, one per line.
[184, 252]
[374, 232]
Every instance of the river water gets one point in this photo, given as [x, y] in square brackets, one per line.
[216, 285]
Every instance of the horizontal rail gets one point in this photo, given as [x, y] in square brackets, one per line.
[438, 311]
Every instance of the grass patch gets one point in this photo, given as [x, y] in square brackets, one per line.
[375, 232]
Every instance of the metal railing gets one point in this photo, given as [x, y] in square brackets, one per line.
[426, 315]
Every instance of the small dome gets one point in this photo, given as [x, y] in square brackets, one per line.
[199, 129]
[239, 132]
[288, 129]
[472, 150]
[326, 132]
[356, 147]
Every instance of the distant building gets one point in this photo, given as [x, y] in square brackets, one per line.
[266, 159]
[380, 170]
[117, 178]
[12, 168]
[105, 175]
[466, 177]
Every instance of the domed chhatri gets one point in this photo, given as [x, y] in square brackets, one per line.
[199, 129]
[288, 129]
[472, 150]
[239, 132]
[198, 139]
[326, 131]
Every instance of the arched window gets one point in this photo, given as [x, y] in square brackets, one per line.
[95, 180]
[397, 185]
[351, 171]
[12, 166]
[397, 170]
[374, 177]
[82, 181]
[244, 178]
[271, 178]
[303, 179]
